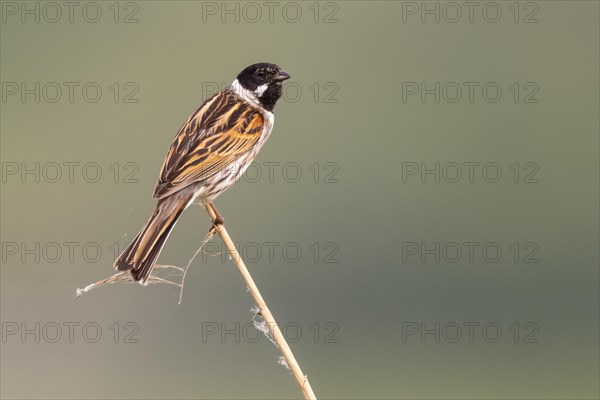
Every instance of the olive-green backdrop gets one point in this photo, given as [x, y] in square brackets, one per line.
[423, 221]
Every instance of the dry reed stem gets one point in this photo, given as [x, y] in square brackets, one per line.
[280, 341]
[288, 360]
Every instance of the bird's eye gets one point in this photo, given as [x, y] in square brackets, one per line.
[261, 74]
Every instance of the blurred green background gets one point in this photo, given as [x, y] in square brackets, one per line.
[361, 297]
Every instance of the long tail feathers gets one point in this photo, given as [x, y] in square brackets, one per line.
[141, 254]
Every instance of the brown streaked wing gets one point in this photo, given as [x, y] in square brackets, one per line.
[213, 138]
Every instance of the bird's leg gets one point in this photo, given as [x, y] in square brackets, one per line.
[218, 219]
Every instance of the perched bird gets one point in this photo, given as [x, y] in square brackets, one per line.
[210, 152]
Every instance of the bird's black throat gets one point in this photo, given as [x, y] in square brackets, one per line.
[271, 95]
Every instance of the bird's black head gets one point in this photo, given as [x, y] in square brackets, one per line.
[262, 82]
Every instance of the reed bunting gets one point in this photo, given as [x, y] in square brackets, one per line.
[210, 152]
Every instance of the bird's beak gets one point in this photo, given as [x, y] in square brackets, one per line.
[282, 76]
